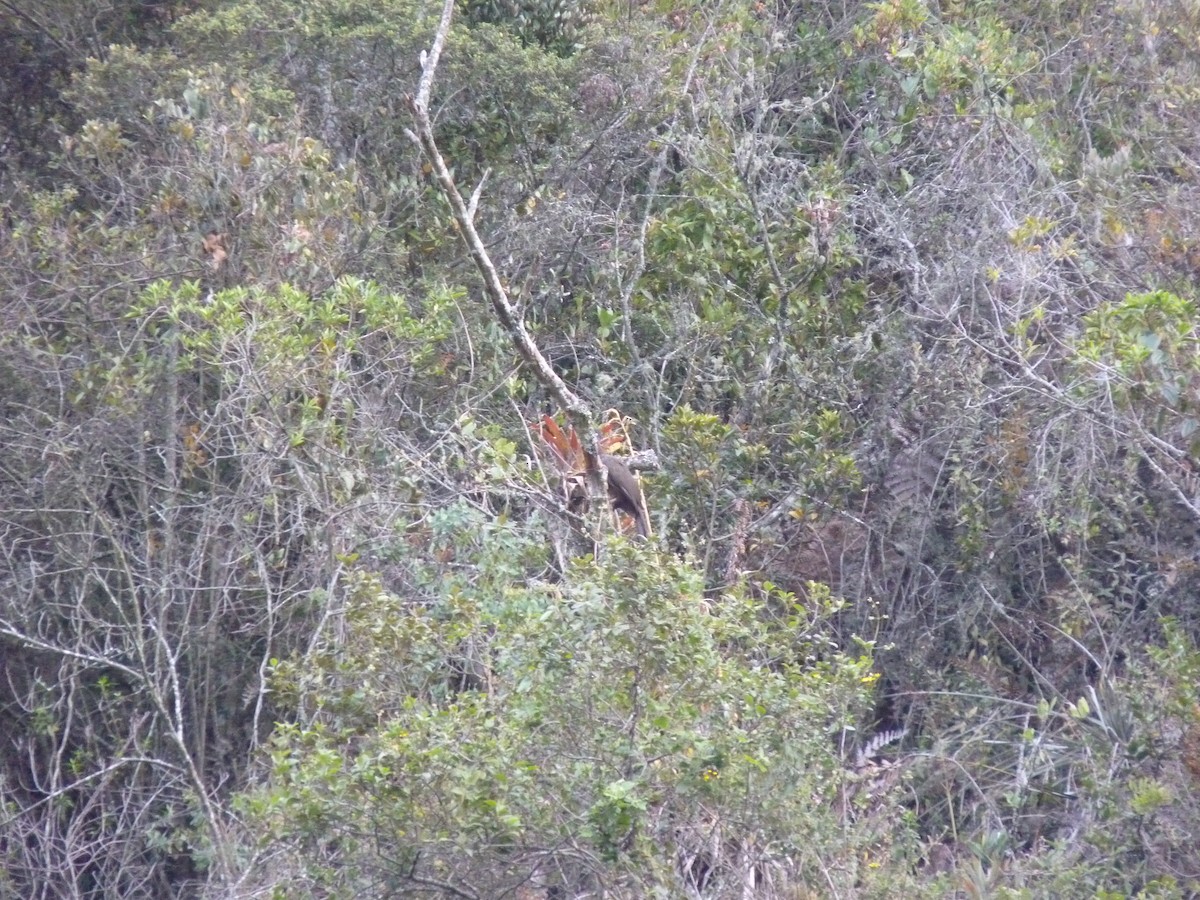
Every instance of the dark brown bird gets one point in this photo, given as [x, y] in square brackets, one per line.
[625, 493]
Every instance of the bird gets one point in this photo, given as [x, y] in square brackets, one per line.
[625, 493]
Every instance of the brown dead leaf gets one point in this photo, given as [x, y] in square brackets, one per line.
[215, 246]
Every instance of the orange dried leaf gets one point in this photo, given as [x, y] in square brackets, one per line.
[214, 247]
[552, 436]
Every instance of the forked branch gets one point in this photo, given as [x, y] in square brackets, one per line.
[577, 411]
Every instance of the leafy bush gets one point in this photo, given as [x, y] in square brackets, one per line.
[617, 731]
[553, 24]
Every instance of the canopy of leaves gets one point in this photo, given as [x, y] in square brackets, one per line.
[902, 297]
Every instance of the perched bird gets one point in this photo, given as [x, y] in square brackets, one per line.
[625, 493]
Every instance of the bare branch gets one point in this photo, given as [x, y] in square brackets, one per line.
[576, 409]
[86, 779]
[473, 206]
[45, 30]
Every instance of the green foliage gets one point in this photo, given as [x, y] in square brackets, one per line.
[870, 277]
[709, 249]
[300, 350]
[1177, 668]
[553, 24]
[1142, 351]
[501, 106]
[619, 713]
[45, 44]
[343, 57]
[1137, 764]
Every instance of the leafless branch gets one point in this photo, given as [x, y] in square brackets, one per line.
[464, 214]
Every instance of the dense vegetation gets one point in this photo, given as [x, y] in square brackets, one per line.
[901, 294]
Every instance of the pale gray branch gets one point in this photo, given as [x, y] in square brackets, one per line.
[576, 409]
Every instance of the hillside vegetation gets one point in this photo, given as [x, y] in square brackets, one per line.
[306, 593]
